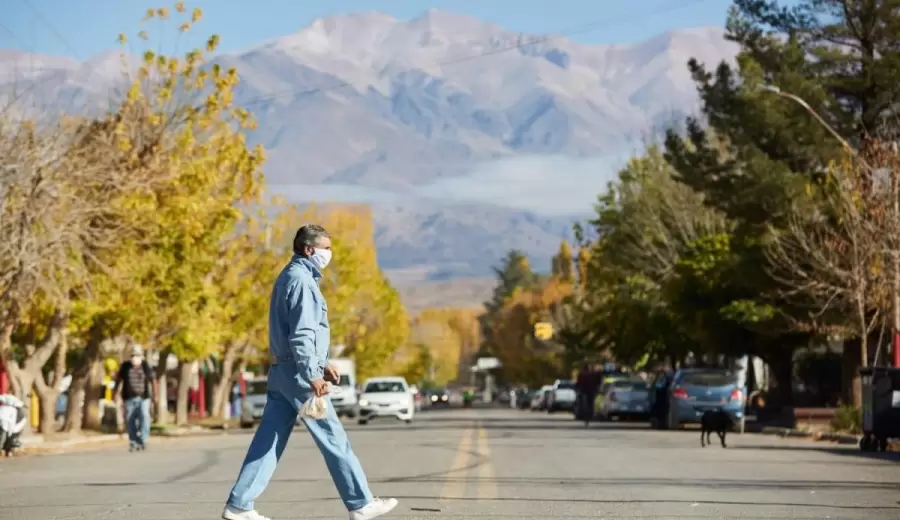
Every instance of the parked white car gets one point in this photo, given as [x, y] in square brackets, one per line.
[383, 397]
[345, 402]
[562, 396]
[254, 402]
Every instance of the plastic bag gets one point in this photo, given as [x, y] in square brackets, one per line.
[316, 407]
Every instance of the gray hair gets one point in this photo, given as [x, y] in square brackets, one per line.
[308, 235]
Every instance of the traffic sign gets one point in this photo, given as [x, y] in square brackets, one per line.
[543, 330]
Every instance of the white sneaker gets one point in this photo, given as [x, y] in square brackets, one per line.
[232, 513]
[374, 509]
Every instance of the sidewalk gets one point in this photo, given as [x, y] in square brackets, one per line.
[838, 438]
[62, 442]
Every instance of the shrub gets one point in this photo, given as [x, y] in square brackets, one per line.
[847, 419]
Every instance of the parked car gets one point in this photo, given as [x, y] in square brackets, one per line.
[253, 404]
[345, 402]
[520, 398]
[626, 399]
[682, 397]
[562, 396]
[386, 397]
[540, 398]
[605, 383]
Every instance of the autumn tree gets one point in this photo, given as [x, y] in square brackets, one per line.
[243, 281]
[562, 264]
[834, 255]
[365, 312]
[68, 191]
[187, 103]
[451, 337]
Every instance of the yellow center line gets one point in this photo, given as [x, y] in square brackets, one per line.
[455, 484]
[487, 485]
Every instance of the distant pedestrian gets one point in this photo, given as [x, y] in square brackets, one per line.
[299, 343]
[135, 378]
[586, 386]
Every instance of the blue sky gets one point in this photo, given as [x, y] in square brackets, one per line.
[83, 28]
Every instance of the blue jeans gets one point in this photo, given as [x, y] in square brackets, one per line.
[137, 420]
[269, 442]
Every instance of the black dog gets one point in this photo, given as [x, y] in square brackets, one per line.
[714, 421]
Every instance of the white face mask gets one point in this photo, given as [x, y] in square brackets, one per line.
[320, 258]
[135, 360]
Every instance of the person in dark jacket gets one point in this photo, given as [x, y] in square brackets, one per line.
[135, 378]
[586, 386]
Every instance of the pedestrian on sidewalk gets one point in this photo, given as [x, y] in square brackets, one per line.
[299, 341]
[135, 378]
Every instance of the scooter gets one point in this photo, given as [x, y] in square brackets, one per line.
[12, 422]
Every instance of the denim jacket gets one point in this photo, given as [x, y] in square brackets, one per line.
[299, 336]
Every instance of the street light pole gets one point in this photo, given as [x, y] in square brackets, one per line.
[895, 207]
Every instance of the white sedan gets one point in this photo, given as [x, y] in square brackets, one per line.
[386, 397]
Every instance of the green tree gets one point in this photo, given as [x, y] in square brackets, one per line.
[514, 274]
[761, 150]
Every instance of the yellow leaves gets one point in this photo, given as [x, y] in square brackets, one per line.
[143, 35]
[122, 39]
[366, 313]
[179, 7]
[212, 43]
[196, 15]
[451, 337]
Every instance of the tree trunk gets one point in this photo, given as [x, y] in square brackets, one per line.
[162, 388]
[48, 392]
[48, 411]
[184, 386]
[222, 389]
[75, 411]
[75, 406]
[851, 362]
[94, 391]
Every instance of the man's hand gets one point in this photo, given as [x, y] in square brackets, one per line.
[332, 375]
[319, 387]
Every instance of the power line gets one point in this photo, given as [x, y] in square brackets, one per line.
[580, 29]
[61, 38]
[50, 26]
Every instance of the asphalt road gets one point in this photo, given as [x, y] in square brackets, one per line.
[473, 464]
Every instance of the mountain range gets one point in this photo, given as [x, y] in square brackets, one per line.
[466, 138]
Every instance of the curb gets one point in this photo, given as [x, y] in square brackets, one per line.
[36, 441]
[191, 431]
[840, 438]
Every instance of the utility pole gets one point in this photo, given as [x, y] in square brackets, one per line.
[895, 202]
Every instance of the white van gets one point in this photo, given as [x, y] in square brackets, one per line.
[345, 402]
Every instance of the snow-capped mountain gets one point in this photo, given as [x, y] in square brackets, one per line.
[399, 107]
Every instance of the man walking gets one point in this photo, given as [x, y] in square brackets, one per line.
[136, 381]
[299, 339]
[586, 386]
